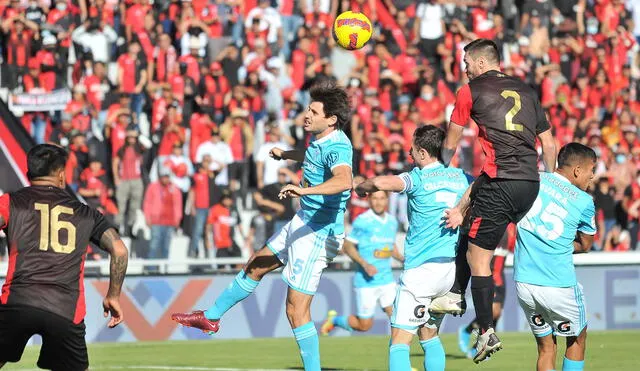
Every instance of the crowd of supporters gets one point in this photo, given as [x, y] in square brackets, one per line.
[176, 104]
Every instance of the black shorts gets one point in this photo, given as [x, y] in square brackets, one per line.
[494, 204]
[63, 344]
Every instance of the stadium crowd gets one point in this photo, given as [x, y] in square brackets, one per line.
[176, 104]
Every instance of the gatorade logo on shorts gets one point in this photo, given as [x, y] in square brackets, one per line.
[564, 326]
[419, 311]
[537, 320]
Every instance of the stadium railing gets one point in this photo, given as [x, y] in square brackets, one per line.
[188, 266]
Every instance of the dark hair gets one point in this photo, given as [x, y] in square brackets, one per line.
[334, 99]
[574, 154]
[429, 138]
[483, 48]
[45, 159]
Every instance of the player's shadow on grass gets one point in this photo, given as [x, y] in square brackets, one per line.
[447, 356]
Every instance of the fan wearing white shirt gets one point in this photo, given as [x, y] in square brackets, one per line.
[266, 166]
[220, 152]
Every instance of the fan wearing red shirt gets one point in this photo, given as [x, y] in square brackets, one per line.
[430, 107]
[94, 188]
[220, 227]
[201, 126]
[127, 176]
[193, 60]
[132, 76]
[97, 86]
[134, 17]
[17, 45]
[164, 59]
[173, 132]
[213, 88]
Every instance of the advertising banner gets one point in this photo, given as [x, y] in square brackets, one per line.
[612, 297]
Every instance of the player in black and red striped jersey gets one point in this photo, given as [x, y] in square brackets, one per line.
[510, 118]
[48, 231]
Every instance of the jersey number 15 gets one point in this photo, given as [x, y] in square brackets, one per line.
[51, 225]
[553, 215]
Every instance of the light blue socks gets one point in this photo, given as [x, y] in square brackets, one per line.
[399, 357]
[307, 339]
[342, 322]
[241, 287]
[569, 365]
[434, 358]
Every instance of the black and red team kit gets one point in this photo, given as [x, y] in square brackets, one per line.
[48, 232]
[509, 118]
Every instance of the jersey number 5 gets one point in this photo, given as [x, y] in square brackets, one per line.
[517, 105]
[51, 225]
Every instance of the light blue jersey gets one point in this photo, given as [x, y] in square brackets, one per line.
[431, 190]
[544, 247]
[321, 157]
[375, 236]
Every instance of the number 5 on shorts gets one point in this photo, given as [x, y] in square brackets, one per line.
[297, 266]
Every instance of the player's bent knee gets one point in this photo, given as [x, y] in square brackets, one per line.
[364, 324]
[261, 263]
[426, 333]
[400, 336]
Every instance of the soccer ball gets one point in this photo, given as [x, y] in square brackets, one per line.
[352, 30]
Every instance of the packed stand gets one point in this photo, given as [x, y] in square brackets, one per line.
[176, 104]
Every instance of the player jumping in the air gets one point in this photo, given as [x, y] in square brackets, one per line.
[313, 237]
[560, 223]
[48, 234]
[505, 246]
[371, 244]
[430, 247]
[509, 116]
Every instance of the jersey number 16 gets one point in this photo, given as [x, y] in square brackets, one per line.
[51, 225]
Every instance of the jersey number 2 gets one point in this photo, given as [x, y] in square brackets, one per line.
[517, 105]
[51, 225]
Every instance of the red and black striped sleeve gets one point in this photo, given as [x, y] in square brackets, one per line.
[5, 206]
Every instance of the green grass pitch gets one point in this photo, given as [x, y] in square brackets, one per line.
[612, 350]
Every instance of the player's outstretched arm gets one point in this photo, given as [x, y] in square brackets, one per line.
[342, 180]
[390, 183]
[548, 151]
[454, 134]
[279, 154]
[582, 243]
[111, 242]
[352, 251]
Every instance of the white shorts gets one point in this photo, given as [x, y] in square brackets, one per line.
[418, 286]
[553, 310]
[368, 297]
[304, 252]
